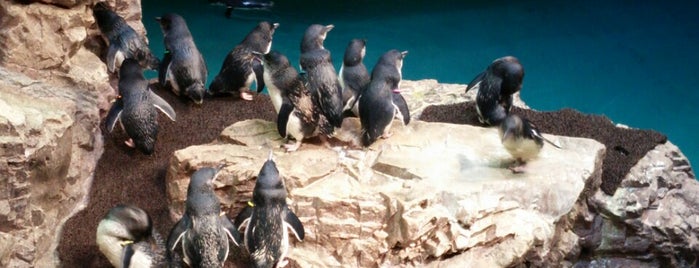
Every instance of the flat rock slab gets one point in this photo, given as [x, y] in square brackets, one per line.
[431, 190]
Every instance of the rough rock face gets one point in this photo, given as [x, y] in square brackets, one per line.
[52, 89]
[50, 144]
[652, 220]
[430, 192]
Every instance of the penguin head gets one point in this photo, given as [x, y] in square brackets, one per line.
[169, 21]
[130, 71]
[275, 60]
[314, 37]
[389, 67]
[130, 67]
[511, 72]
[269, 184]
[260, 38]
[201, 199]
[106, 17]
[355, 52]
[202, 180]
[135, 222]
[512, 127]
[196, 92]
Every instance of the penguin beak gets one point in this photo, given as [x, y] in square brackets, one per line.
[403, 54]
[275, 26]
[329, 27]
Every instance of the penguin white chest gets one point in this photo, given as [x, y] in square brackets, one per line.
[341, 77]
[170, 78]
[274, 93]
[524, 149]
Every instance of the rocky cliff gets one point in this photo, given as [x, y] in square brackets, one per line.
[52, 88]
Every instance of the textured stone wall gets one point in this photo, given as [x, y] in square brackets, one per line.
[53, 88]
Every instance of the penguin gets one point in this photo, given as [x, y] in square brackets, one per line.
[244, 5]
[267, 219]
[377, 105]
[322, 79]
[241, 68]
[297, 116]
[135, 108]
[497, 84]
[353, 76]
[522, 139]
[123, 40]
[203, 232]
[126, 237]
[182, 68]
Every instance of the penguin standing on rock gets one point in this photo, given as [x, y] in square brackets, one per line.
[203, 232]
[354, 77]
[297, 116]
[522, 139]
[322, 78]
[240, 68]
[497, 84]
[377, 107]
[267, 220]
[123, 41]
[135, 108]
[126, 237]
[183, 68]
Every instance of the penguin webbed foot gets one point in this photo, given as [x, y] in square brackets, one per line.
[130, 143]
[282, 263]
[518, 166]
[386, 135]
[246, 95]
[292, 147]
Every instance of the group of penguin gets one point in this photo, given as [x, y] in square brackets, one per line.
[203, 236]
[311, 103]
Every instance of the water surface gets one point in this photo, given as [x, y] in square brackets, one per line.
[633, 61]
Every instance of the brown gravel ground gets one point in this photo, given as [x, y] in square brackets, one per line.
[124, 175]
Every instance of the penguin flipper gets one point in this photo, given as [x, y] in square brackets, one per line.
[243, 218]
[402, 106]
[476, 80]
[283, 117]
[293, 223]
[162, 105]
[230, 229]
[164, 65]
[112, 52]
[534, 132]
[126, 255]
[114, 114]
[176, 234]
[259, 75]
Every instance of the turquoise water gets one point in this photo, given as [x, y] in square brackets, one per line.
[633, 61]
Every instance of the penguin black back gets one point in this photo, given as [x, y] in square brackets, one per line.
[139, 117]
[353, 77]
[497, 84]
[268, 220]
[376, 106]
[124, 42]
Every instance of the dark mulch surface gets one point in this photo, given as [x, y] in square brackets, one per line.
[124, 175]
[624, 146]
